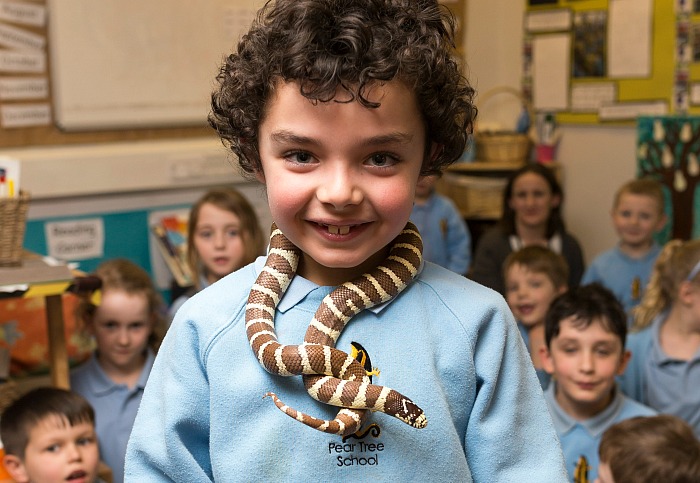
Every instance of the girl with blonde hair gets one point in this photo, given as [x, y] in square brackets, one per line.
[665, 346]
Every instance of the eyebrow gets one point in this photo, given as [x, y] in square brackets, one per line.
[288, 137]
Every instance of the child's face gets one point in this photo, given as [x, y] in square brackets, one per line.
[604, 474]
[218, 241]
[121, 326]
[340, 177]
[529, 294]
[584, 363]
[57, 452]
[636, 219]
[532, 200]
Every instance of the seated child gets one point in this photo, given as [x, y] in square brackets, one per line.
[651, 449]
[637, 215]
[446, 238]
[585, 331]
[534, 276]
[127, 324]
[49, 436]
[223, 235]
[666, 336]
[339, 108]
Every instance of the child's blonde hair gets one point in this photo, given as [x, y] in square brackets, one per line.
[122, 274]
[227, 199]
[677, 262]
[644, 187]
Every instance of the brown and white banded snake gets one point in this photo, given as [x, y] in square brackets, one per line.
[330, 375]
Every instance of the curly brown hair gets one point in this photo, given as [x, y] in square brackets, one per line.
[326, 45]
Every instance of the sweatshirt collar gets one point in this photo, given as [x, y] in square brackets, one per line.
[301, 287]
[595, 426]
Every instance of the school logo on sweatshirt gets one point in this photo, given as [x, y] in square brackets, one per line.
[362, 447]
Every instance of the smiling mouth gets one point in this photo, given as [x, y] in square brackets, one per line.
[337, 229]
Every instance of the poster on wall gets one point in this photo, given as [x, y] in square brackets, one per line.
[667, 150]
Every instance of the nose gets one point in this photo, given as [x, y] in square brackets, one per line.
[73, 453]
[123, 336]
[341, 188]
[219, 240]
[586, 362]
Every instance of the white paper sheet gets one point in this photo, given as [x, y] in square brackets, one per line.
[551, 61]
[26, 62]
[631, 110]
[589, 97]
[24, 115]
[548, 21]
[75, 240]
[23, 13]
[16, 88]
[629, 38]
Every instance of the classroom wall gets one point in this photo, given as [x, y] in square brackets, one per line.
[595, 160]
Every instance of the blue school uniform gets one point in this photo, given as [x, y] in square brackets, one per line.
[666, 384]
[582, 438]
[449, 344]
[446, 238]
[543, 376]
[115, 408]
[626, 277]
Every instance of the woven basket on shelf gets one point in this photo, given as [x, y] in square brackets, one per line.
[475, 196]
[503, 146]
[13, 222]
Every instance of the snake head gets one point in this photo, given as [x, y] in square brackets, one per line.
[412, 414]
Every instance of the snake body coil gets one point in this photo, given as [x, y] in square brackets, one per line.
[330, 375]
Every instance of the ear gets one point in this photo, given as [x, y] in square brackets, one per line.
[546, 359]
[624, 360]
[15, 468]
[662, 222]
[556, 200]
[260, 176]
[435, 150]
[685, 292]
[562, 289]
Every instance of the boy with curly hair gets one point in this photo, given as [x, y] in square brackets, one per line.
[339, 108]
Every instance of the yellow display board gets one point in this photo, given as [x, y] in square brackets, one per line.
[625, 58]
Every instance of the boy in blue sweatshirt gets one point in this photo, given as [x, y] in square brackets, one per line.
[339, 108]
[585, 332]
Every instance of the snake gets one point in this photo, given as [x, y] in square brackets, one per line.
[330, 375]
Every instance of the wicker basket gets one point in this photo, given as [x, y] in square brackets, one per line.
[503, 146]
[13, 222]
[475, 196]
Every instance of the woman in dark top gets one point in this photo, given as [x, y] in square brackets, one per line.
[531, 216]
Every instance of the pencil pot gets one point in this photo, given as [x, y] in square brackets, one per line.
[13, 222]
[509, 147]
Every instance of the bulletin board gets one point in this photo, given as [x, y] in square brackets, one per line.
[610, 61]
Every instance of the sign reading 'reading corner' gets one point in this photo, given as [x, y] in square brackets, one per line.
[75, 240]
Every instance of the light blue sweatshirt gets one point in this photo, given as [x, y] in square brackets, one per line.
[447, 343]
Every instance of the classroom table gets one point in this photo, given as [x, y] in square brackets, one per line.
[37, 277]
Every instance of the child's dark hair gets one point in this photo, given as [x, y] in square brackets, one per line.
[651, 449]
[555, 224]
[586, 304]
[123, 274]
[539, 259]
[227, 199]
[24, 413]
[326, 45]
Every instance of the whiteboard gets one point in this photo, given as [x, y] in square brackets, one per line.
[139, 63]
